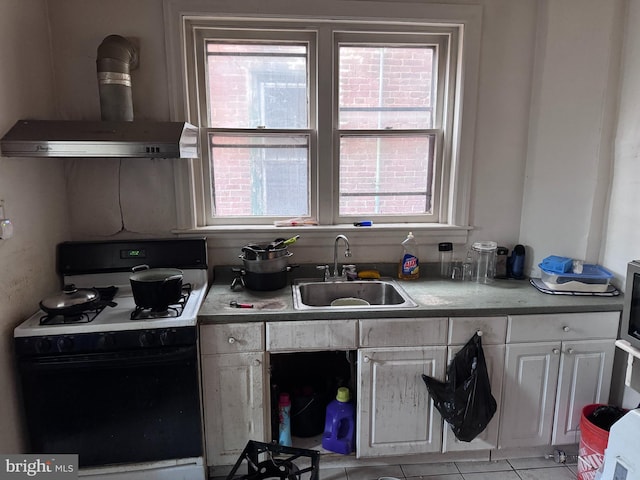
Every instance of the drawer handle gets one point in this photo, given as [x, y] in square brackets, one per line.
[556, 351]
[565, 329]
[231, 340]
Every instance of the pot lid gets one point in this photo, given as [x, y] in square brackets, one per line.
[70, 297]
[143, 273]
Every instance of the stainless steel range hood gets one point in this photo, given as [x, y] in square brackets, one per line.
[139, 139]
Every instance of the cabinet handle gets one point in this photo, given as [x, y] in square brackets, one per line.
[366, 359]
[565, 329]
[257, 362]
[231, 340]
[556, 351]
[570, 351]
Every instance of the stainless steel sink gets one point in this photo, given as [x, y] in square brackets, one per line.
[314, 294]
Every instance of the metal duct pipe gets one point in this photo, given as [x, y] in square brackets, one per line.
[116, 58]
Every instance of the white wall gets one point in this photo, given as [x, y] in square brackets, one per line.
[574, 99]
[622, 237]
[148, 202]
[33, 191]
[130, 197]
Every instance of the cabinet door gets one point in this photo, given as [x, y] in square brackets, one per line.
[235, 409]
[312, 335]
[584, 379]
[395, 413]
[488, 439]
[529, 393]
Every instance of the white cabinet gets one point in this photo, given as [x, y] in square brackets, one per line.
[554, 366]
[584, 378]
[312, 335]
[531, 376]
[235, 386]
[395, 415]
[494, 331]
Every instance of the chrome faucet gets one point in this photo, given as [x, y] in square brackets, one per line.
[347, 253]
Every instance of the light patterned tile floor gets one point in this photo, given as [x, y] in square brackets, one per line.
[512, 469]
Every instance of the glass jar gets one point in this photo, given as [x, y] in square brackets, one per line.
[485, 261]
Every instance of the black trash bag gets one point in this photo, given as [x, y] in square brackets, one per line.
[465, 400]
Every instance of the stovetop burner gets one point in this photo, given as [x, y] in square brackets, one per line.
[171, 311]
[107, 294]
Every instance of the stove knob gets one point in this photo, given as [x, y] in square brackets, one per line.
[167, 337]
[148, 339]
[43, 345]
[65, 344]
[106, 341]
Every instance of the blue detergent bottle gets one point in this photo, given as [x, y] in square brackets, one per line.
[284, 411]
[340, 424]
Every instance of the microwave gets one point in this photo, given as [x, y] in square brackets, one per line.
[630, 327]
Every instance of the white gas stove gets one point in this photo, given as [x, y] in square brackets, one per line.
[119, 317]
[121, 382]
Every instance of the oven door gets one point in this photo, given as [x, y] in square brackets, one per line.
[114, 408]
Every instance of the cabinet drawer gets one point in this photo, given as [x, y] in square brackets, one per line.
[312, 335]
[231, 338]
[564, 326]
[494, 329]
[403, 332]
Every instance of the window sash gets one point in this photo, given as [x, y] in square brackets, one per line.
[441, 41]
[231, 32]
[322, 207]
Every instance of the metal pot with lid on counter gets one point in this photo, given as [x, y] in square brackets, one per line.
[265, 266]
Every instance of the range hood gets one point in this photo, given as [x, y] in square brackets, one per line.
[62, 138]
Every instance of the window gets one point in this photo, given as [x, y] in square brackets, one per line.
[336, 121]
[389, 124]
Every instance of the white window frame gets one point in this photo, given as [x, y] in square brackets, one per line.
[444, 39]
[181, 14]
[200, 31]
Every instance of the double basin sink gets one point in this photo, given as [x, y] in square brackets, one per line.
[383, 293]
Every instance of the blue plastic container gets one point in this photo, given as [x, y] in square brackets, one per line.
[556, 264]
[340, 424]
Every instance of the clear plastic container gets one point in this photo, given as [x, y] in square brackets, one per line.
[485, 261]
[593, 278]
[446, 256]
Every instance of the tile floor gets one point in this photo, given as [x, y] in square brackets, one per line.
[513, 469]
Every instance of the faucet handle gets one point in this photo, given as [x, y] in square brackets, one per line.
[326, 271]
[349, 272]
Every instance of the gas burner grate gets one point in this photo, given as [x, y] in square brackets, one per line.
[173, 311]
[107, 294]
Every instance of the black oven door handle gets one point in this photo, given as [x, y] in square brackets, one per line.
[125, 359]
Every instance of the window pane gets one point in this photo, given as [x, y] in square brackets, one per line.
[386, 175]
[260, 175]
[386, 87]
[257, 85]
